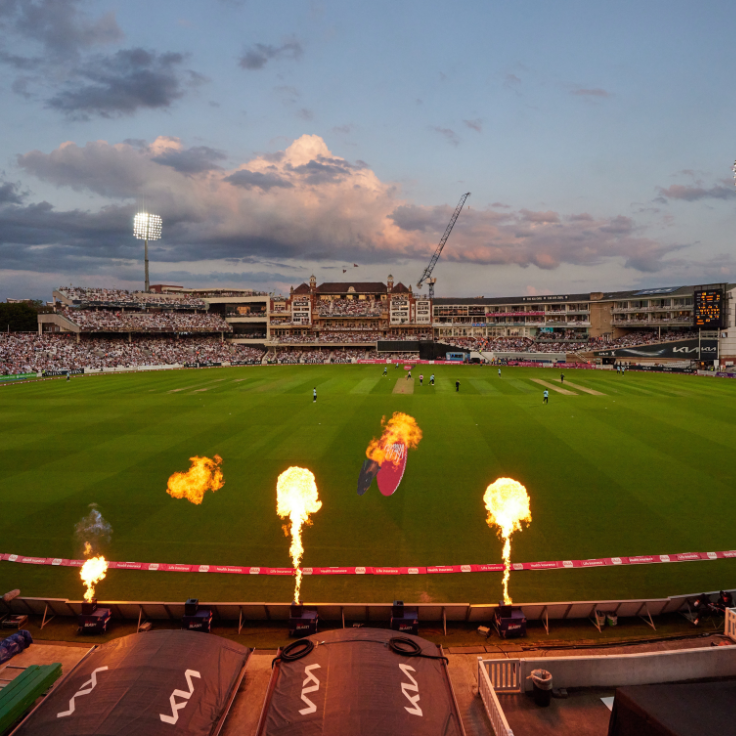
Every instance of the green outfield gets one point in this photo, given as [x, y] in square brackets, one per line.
[643, 466]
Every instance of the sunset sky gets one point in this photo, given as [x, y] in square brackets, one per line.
[281, 139]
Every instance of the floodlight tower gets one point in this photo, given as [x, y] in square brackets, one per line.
[147, 227]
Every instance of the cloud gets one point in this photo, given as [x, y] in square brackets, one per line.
[121, 84]
[264, 181]
[448, 133]
[259, 54]
[588, 92]
[9, 193]
[55, 47]
[60, 27]
[476, 125]
[305, 114]
[696, 193]
[302, 203]
[192, 160]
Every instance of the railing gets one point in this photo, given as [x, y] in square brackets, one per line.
[619, 670]
[490, 701]
[505, 674]
[729, 625]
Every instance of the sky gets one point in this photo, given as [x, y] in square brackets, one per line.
[280, 140]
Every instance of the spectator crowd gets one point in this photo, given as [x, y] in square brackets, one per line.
[26, 353]
[350, 308]
[566, 343]
[111, 321]
[88, 296]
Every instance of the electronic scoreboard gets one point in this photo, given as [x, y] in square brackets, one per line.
[708, 309]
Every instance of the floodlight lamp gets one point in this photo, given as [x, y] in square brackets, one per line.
[146, 226]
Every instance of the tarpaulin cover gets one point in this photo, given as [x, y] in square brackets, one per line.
[353, 683]
[160, 682]
[674, 710]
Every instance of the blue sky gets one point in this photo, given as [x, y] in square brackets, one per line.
[282, 139]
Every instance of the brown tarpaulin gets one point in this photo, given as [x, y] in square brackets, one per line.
[159, 682]
[353, 684]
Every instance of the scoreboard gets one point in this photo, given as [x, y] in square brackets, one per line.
[708, 309]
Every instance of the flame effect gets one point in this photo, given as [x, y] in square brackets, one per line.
[204, 475]
[297, 497]
[400, 429]
[92, 572]
[87, 549]
[507, 503]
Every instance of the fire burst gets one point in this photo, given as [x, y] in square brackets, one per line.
[507, 503]
[92, 572]
[401, 429]
[297, 497]
[204, 475]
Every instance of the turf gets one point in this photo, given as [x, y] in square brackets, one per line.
[646, 468]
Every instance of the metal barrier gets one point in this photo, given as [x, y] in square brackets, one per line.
[505, 674]
[494, 711]
[729, 624]
[370, 613]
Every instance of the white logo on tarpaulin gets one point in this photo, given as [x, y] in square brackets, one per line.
[664, 558]
[465, 568]
[409, 687]
[56, 561]
[413, 570]
[306, 571]
[254, 571]
[616, 560]
[567, 563]
[712, 555]
[360, 571]
[153, 566]
[86, 689]
[13, 558]
[518, 566]
[176, 707]
[310, 678]
[204, 568]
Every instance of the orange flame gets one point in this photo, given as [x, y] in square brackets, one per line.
[297, 497]
[204, 475]
[400, 429]
[92, 572]
[507, 503]
[87, 549]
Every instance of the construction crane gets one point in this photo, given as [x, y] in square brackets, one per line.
[427, 275]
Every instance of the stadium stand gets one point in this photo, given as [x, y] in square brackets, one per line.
[26, 353]
[110, 321]
[350, 308]
[89, 296]
[547, 345]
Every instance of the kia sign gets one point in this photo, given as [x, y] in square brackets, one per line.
[677, 350]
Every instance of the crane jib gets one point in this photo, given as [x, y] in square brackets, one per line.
[436, 256]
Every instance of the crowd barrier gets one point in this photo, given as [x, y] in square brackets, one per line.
[366, 613]
[368, 570]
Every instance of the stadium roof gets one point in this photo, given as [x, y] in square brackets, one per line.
[359, 287]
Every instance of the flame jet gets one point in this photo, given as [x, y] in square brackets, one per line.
[92, 572]
[387, 455]
[507, 503]
[204, 475]
[296, 498]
